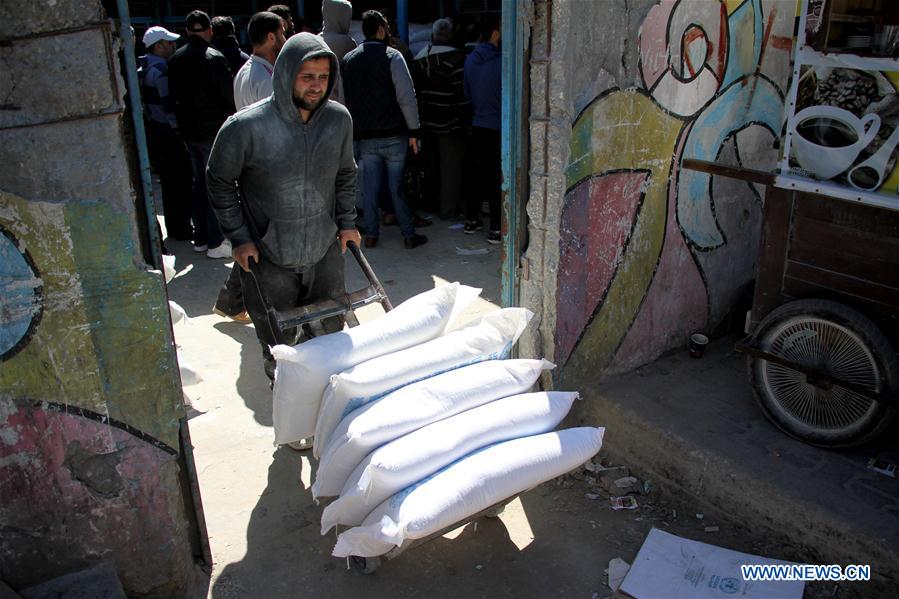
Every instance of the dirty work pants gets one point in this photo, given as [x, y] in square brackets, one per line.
[380, 155]
[230, 298]
[287, 289]
[170, 160]
[206, 226]
[486, 169]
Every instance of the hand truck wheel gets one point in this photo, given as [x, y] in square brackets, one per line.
[366, 565]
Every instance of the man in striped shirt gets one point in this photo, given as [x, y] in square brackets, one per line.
[438, 72]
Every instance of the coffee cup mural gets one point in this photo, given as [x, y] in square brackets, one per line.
[827, 140]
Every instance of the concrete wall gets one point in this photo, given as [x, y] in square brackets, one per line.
[90, 396]
[629, 252]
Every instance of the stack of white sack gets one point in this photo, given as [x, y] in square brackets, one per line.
[303, 371]
[468, 486]
[414, 406]
[490, 339]
[413, 457]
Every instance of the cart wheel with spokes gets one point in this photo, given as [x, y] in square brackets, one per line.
[835, 339]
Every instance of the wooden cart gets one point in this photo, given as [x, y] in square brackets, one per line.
[824, 324]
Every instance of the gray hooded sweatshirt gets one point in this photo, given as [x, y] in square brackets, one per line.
[336, 18]
[296, 181]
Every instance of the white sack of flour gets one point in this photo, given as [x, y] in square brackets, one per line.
[303, 370]
[419, 454]
[415, 406]
[491, 338]
[468, 486]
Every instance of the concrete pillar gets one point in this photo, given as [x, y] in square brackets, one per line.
[90, 396]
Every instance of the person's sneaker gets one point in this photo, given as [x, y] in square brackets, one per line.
[222, 251]
[421, 221]
[242, 316]
[494, 237]
[200, 248]
[370, 242]
[301, 445]
[389, 220]
[471, 226]
[414, 241]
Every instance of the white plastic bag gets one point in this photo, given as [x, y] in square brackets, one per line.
[474, 483]
[415, 406]
[419, 454]
[303, 370]
[491, 338]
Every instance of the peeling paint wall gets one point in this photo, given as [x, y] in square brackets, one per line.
[90, 396]
[635, 252]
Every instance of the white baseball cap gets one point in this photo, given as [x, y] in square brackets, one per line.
[157, 33]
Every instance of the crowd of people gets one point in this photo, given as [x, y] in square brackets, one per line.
[270, 157]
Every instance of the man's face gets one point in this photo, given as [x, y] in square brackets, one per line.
[280, 39]
[311, 83]
[168, 48]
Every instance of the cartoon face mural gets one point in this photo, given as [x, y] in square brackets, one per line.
[651, 251]
[20, 296]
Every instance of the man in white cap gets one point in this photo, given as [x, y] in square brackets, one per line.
[167, 153]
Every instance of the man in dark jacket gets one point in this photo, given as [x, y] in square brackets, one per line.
[483, 80]
[444, 110]
[291, 156]
[225, 41]
[379, 94]
[200, 85]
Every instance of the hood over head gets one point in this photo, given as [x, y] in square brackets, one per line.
[336, 16]
[298, 49]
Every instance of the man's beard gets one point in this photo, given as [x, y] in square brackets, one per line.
[301, 103]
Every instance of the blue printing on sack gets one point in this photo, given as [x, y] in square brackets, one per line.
[357, 402]
[398, 498]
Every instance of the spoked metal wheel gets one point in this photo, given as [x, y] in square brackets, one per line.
[833, 339]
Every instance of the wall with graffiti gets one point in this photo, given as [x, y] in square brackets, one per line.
[649, 251]
[90, 396]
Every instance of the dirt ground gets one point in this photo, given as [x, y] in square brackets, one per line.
[263, 526]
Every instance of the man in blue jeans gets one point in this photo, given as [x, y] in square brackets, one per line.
[381, 99]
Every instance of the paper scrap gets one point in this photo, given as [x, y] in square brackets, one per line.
[676, 568]
[468, 252]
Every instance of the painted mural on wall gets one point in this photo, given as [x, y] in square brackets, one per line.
[90, 400]
[650, 251]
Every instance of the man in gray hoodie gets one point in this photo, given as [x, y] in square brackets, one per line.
[336, 18]
[282, 181]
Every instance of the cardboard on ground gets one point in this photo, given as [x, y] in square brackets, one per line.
[676, 568]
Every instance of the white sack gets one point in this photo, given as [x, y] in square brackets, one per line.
[189, 374]
[415, 406]
[303, 370]
[474, 483]
[178, 314]
[168, 267]
[490, 339]
[419, 454]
